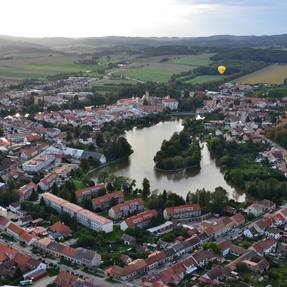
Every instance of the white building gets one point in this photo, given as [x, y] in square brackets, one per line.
[38, 163]
[83, 216]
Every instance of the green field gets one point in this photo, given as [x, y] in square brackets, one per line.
[42, 70]
[273, 74]
[195, 60]
[203, 79]
[150, 73]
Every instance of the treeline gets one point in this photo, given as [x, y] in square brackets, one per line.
[120, 127]
[279, 135]
[242, 171]
[209, 201]
[249, 54]
[117, 148]
[179, 152]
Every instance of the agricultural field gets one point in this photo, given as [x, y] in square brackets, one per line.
[203, 79]
[44, 66]
[157, 72]
[42, 70]
[273, 74]
[200, 60]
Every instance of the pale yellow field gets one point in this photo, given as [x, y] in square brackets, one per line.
[273, 74]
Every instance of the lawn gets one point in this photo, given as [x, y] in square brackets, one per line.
[79, 184]
[146, 74]
[203, 79]
[195, 60]
[273, 74]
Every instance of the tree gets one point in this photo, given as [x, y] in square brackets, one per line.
[146, 188]
[85, 165]
[219, 199]
[241, 267]
[213, 246]
[34, 195]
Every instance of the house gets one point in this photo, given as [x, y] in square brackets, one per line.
[191, 243]
[238, 219]
[89, 192]
[140, 220]
[258, 227]
[155, 260]
[127, 208]
[227, 247]
[253, 261]
[216, 275]
[15, 207]
[217, 228]
[25, 191]
[126, 259]
[60, 230]
[48, 181]
[260, 207]
[128, 239]
[182, 211]
[64, 279]
[135, 268]
[29, 152]
[203, 257]
[26, 220]
[264, 247]
[81, 256]
[105, 201]
[4, 221]
[273, 232]
[172, 104]
[19, 233]
[38, 163]
[64, 171]
[162, 228]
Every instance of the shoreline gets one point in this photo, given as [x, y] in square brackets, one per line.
[177, 170]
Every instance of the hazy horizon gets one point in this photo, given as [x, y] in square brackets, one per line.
[131, 18]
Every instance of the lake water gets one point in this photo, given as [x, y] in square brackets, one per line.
[146, 142]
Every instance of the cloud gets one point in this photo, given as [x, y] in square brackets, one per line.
[233, 2]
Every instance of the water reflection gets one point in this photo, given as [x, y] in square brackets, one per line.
[146, 142]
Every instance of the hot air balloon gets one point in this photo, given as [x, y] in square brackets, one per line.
[221, 69]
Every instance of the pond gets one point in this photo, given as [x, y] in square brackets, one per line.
[146, 142]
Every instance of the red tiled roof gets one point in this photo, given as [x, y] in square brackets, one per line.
[69, 251]
[15, 228]
[61, 228]
[49, 178]
[3, 220]
[64, 279]
[182, 209]
[262, 245]
[141, 217]
[107, 198]
[26, 188]
[127, 205]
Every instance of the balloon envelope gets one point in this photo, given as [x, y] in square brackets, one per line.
[221, 69]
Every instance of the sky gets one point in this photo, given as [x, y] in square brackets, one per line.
[188, 18]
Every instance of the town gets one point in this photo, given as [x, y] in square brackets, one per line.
[59, 227]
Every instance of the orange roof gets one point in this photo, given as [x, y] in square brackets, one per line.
[26, 236]
[65, 278]
[127, 205]
[141, 217]
[69, 251]
[15, 228]
[107, 197]
[61, 228]
[183, 209]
